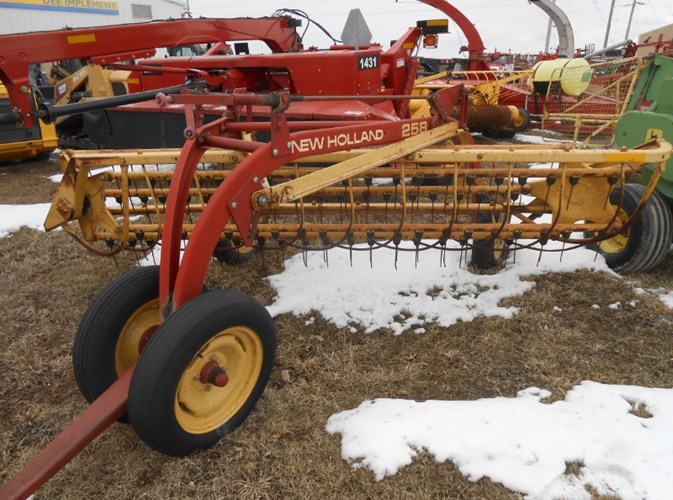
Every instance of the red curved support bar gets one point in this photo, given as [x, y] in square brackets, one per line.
[172, 231]
[475, 44]
[180, 282]
[218, 211]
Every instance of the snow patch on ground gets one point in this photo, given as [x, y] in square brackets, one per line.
[14, 217]
[619, 437]
[431, 287]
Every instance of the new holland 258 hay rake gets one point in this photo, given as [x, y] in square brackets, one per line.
[186, 366]
[315, 186]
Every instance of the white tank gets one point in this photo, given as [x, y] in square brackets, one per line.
[571, 75]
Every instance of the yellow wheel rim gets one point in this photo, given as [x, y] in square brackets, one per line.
[135, 334]
[202, 407]
[244, 250]
[519, 121]
[619, 241]
[499, 250]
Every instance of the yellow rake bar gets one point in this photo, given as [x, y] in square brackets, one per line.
[111, 201]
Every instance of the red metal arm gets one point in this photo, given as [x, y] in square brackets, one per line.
[85, 428]
[475, 45]
[179, 282]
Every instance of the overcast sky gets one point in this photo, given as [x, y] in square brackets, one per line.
[503, 25]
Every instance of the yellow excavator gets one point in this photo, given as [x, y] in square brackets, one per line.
[62, 87]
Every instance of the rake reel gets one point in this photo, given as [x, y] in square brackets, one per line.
[486, 198]
[186, 366]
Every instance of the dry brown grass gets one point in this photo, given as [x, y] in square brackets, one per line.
[283, 450]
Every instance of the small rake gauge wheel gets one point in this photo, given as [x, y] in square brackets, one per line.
[114, 329]
[232, 251]
[202, 373]
[229, 253]
[644, 244]
[491, 253]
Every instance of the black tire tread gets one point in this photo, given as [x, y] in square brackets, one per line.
[229, 254]
[106, 311]
[652, 232]
[483, 257]
[169, 351]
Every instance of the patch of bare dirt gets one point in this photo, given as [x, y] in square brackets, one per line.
[283, 450]
[27, 182]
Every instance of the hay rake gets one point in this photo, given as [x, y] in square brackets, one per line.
[463, 192]
[188, 366]
[411, 189]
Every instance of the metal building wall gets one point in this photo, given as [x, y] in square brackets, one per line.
[653, 36]
[20, 16]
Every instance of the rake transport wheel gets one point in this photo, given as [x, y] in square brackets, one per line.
[202, 373]
[114, 329]
[232, 251]
[645, 243]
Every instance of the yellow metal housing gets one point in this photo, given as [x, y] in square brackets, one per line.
[16, 143]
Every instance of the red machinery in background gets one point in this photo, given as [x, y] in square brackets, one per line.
[20, 135]
[368, 71]
[110, 44]
[379, 73]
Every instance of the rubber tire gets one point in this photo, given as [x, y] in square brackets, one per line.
[506, 133]
[498, 133]
[93, 353]
[484, 256]
[169, 352]
[526, 120]
[649, 237]
[229, 254]
[509, 132]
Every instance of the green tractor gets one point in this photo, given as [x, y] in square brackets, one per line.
[645, 242]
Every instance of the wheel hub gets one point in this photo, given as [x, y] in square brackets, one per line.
[145, 337]
[219, 380]
[213, 374]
